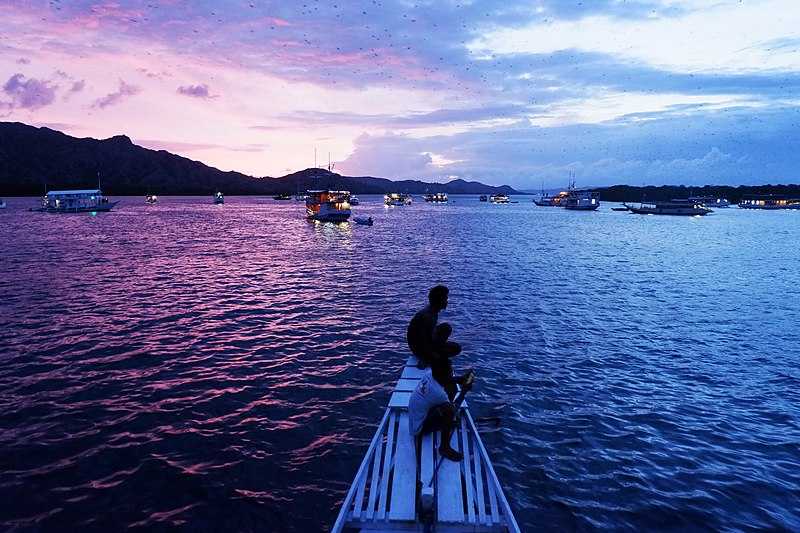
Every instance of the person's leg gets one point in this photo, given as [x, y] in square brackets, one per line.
[448, 425]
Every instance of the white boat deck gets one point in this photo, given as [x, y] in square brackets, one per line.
[385, 492]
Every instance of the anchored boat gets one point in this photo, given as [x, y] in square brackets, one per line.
[76, 201]
[328, 206]
[386, 492]
[219, 198]
[671, 207]
[582, 200]
[436, 198]
[499, 198]
[151, 199]
[397, 198]
[769, 201]
[711, 201]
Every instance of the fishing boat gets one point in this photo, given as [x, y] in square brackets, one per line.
[499, 198]
[328, 206]
[711, 201]
[75, 201]
[436, 198]
[397, 199]
[151, 199]
[671, 207]
[582, 200]
[483, 198]
[282, 196]
[219, 198]
[2, 204]
[354, 200]
[769, 201]
[363, 221]
[624, 208]
[547, 200]
[398, 489]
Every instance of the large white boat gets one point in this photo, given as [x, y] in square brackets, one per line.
[75, 201]
[582, 200]
[328, 206]
[397, 198]
[499, 198]
[151, 199]
[219, 198]
[404, 487]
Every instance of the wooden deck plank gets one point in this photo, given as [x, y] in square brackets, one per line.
[476, 459]
[495, 516]
[465, 449]
[427, 458]
[404, 490]
[359, 499]
[387, 461]
[407, 385]
[399, 399]
[373, 484]
[412, 372]
[449, 502]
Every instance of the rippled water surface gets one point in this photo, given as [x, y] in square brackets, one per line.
[200, 367]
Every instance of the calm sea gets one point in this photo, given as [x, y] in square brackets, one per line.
[195, 367]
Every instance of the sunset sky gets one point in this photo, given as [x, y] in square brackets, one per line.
[521, 93]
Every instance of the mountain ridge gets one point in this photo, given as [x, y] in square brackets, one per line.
[34, 159]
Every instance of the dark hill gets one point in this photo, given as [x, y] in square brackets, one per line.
[35, 159]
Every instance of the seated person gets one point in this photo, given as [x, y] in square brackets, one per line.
[431, 409]
[419, 334]
[441, 343]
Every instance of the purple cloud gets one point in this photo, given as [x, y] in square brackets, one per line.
[28, 93]
[23, 61]
[78, 86]
[125, 90]
[195, 91]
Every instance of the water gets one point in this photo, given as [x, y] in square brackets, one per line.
[198, 367]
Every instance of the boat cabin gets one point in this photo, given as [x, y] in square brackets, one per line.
[74, 200]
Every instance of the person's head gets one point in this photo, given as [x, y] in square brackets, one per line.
[442, 332]
[437, 297]
[441, 371]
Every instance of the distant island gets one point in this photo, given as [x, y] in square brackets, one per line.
[35, 159]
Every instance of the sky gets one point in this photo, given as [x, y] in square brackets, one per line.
[524, 93]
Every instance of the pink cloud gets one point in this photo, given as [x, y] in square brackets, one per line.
[125, 90]
[196, 91]
[28, 93]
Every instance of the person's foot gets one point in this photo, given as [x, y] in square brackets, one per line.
[450, 453]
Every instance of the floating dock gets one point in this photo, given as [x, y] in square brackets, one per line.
[385, 494]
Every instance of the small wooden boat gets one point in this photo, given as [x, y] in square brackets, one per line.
[364, 221]
[386, 492]
[619, 209]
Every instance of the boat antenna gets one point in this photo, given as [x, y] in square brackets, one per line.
[315, 157]
[329, 161]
